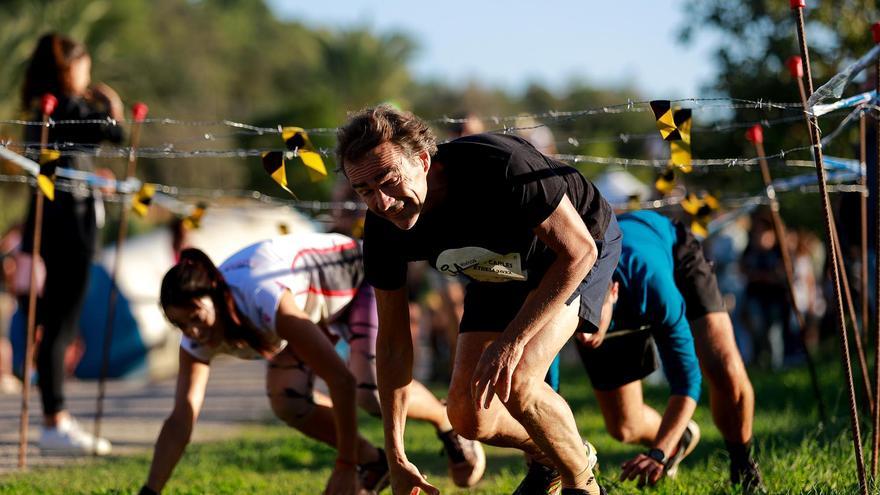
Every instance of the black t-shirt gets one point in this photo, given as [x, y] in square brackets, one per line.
[499, 188]
[69, 229]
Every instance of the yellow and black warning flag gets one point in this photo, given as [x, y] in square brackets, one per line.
[141, 202]
[194, 219]
[46, 177]
[273, 164]
[700, 208]
[297, 140]
[675, 126]
[634, 201]
[665, 182]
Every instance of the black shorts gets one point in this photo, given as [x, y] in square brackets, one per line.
[695, 276]
[490, 307]
[629, 354]
[624, 356]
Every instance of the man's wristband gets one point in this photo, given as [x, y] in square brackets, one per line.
[145, 490]
[657, 455]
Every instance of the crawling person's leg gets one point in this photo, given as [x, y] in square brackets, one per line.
[289, 385]
[466, 459]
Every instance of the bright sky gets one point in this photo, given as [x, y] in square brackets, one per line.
[514, 42]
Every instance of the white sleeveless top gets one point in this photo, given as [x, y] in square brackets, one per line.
[322, 271]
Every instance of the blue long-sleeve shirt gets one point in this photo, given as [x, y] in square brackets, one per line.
[648, 296]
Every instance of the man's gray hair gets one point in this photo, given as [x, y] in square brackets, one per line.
[377, 125]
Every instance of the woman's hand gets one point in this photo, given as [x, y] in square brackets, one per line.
[106, 173]
[407, 480]
[103, 93]
[343, 480]
[494, 372]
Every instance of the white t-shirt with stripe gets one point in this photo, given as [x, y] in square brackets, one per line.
[322, 271]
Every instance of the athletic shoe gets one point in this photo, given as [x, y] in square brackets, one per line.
[579, 491]
[68, 438]
[545, 480]
[9, 385]
[540, 480]
[466, 459]
[688, 442]
[748, 476]
[375, 475]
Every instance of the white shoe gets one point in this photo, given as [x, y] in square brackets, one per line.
[9, 385]
[68, 438]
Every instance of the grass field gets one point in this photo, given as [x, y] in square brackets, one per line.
[796, 454]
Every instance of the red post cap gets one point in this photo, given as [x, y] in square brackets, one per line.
[139, 111]
[875, 30]
[798, 4]
[49, 103]
[795, 66]
[755, 134]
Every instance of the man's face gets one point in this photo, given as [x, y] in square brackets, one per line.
[392, 184]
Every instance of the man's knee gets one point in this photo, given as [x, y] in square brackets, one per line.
[524, 394]
[461, 412]
[466, 419]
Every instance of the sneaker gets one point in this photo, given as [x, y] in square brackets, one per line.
[467, 461]
[688, 442]
[9, 385]
[68, 438]
[580, 491]
[375, 475]
[748, 476]
[540, 480]
[545, 480]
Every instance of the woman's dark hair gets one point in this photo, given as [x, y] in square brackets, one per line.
[49, 68]
[194, 277]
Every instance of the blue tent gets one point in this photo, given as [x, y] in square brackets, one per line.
[128, 353]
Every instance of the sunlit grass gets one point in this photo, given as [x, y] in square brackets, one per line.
[795, 453]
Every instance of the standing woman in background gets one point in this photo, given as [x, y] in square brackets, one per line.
[62, 67]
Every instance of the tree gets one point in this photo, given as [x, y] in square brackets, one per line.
[754, 39]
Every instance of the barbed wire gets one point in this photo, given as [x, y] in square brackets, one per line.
[629, 106]
[166, 153]
[195, 194]
[572, 140]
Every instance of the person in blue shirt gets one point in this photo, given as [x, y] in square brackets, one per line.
[664, 292]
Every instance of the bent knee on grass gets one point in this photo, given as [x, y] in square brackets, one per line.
[293, 411]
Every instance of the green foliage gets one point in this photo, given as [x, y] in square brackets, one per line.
[753, 39]
[215, 59]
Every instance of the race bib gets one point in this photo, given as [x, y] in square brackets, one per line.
[481, 264]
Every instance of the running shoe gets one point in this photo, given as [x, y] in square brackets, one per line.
[69, 438]
[466, 459]
[748, 476]
[688, 442]
[540, 480]
[580, 491]
[375, 476]
[545, 480]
